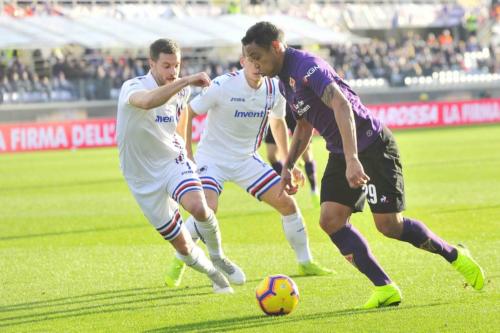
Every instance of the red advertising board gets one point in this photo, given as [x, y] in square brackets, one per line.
[432, 114]
[101, 132]
[62, 135]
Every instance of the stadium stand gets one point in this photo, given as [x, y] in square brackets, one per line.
[102, 41]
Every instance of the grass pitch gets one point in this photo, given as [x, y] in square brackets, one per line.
[77, 255]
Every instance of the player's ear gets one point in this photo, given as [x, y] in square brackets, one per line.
[275, 45]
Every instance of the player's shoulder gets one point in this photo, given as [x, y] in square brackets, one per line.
[137, 81]
[227, 79]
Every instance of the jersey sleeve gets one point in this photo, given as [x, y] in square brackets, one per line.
[207, 99]
[130, 87]
[279, 109]
[317, 75]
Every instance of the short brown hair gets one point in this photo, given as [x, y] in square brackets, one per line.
[163, 45]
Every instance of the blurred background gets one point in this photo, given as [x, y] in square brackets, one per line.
[415, 62]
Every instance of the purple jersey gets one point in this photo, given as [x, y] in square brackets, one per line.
[304, 77]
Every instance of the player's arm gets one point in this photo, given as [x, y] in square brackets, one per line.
[151, 99]
[280, 134]
[344, 116]
[300, 140]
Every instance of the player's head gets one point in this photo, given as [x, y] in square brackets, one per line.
[165, 60]
[251, 71]
[264, 46]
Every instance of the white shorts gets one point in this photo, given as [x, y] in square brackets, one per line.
[159, 201]
[252, 174]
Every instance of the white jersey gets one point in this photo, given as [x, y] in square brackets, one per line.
[147, 139]
[238, 117]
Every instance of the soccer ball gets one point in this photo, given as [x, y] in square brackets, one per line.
[277, 295]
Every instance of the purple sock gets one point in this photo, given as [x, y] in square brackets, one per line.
[417, 234]
[311, 174]
[354, 248]
[278, 167]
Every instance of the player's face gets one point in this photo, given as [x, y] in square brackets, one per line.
[250, 69]
[266, 60]
[166, 69]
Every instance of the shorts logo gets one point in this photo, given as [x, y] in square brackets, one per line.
[383, 199]
[369, 133]
[203, 169]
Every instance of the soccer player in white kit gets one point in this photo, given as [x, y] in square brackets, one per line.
[239, 106]
[154, 164]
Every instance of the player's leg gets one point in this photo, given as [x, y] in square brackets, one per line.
[212, 198]
[161, 211]
[272, 153]
[385, 194]
[419, 235]
[203, 223]
[193, 256]
[262, 182]
[338, 202]
[176, 267]
[295, 230]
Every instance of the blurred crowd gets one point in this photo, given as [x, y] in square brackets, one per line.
[97, 75]
[92, 76]
[414, 55]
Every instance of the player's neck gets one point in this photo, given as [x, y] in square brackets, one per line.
[158, 82]
[254, 83]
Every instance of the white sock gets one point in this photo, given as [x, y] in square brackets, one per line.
[189, 223]
[197, 260]
[296, 234]
[210, 234]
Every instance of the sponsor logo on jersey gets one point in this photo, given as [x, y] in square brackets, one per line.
[301, 107]
[237, 99]
[249, 114]
[309, 72]
[164, 119]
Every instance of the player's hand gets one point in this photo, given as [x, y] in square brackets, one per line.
[287, 183]
[355, 174]
[200, 79]
[298, 177]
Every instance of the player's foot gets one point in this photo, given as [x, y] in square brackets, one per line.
[388, 295]
[312, 268]
[175, 270]
[220, 284]
[234, 274]
[315, 199]
[469, 268]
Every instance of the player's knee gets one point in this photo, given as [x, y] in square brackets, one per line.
[184, 249]
[331, 222]
[388, 226]
[285, 205]
[199, 210]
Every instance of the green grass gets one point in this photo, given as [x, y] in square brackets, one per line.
[76, 253]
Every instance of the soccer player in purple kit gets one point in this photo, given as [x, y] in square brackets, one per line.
[363, 165]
